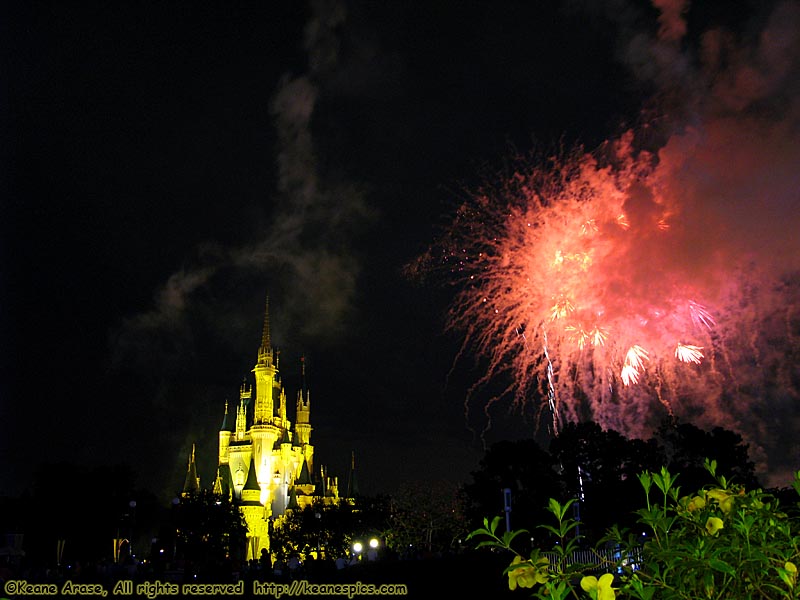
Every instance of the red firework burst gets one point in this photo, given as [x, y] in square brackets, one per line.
[572, 279]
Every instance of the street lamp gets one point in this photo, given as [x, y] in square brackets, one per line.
[372, 553]
[132, 504]
[318, 517]
[279, 499]
[175, 503]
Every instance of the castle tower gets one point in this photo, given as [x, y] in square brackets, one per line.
[302, 427]
[266, 461]
[264, 433]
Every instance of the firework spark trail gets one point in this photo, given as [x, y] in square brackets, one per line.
[689, 353]
[551, 391]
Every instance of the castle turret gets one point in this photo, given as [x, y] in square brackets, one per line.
[322, 485]
[285, 445]
[241, 420]
[254, 514]
[352, 481]
[225, 432]
[292, 504]
[191, 484]
[251, 492]
[282, 420]
[304, 483]
[302, 426]
[223, 485]
[245, 394]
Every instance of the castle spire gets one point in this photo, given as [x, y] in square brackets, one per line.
[266, 370]
[192, 482]
[266, 343]
[303, 374]
[241, 420]
[225, 425]
[352, 482]
[303, 412]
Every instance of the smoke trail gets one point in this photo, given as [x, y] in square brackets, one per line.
[303, 257]
[672, 26]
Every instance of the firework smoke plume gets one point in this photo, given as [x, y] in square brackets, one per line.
[652, 278]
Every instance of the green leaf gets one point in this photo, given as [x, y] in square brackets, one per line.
[644, 593]
[722, 566]
[664, 481]
[646, 480]
[560, 591]
[494, 524]
[785, 577]
[558, 509]
[509, 536]
[551, 529]
[708, 583]
[472, 534]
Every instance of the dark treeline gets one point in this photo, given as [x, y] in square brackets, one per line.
[600, 468]
[72, 516]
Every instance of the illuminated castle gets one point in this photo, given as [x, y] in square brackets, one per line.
[265, 462]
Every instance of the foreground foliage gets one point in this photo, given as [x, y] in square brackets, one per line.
[585, 460]
[721, 541]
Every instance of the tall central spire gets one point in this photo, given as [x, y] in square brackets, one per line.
[266, 343]
[266, 370]
[303, 387]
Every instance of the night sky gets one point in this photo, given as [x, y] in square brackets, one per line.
[167, 165]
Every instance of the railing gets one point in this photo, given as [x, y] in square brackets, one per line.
[606, 559]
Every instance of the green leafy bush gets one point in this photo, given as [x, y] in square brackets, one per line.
[720, 542]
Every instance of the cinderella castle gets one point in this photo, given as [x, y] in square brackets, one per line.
[266, 462]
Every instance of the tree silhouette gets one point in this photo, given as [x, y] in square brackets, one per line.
[600, 467]
[686, 447]
[208, 533]
[524, 468]
[426, 519]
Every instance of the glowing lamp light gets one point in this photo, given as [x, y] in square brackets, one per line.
[373, 543]
[358, 547]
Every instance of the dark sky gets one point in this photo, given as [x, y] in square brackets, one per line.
[166, 165]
